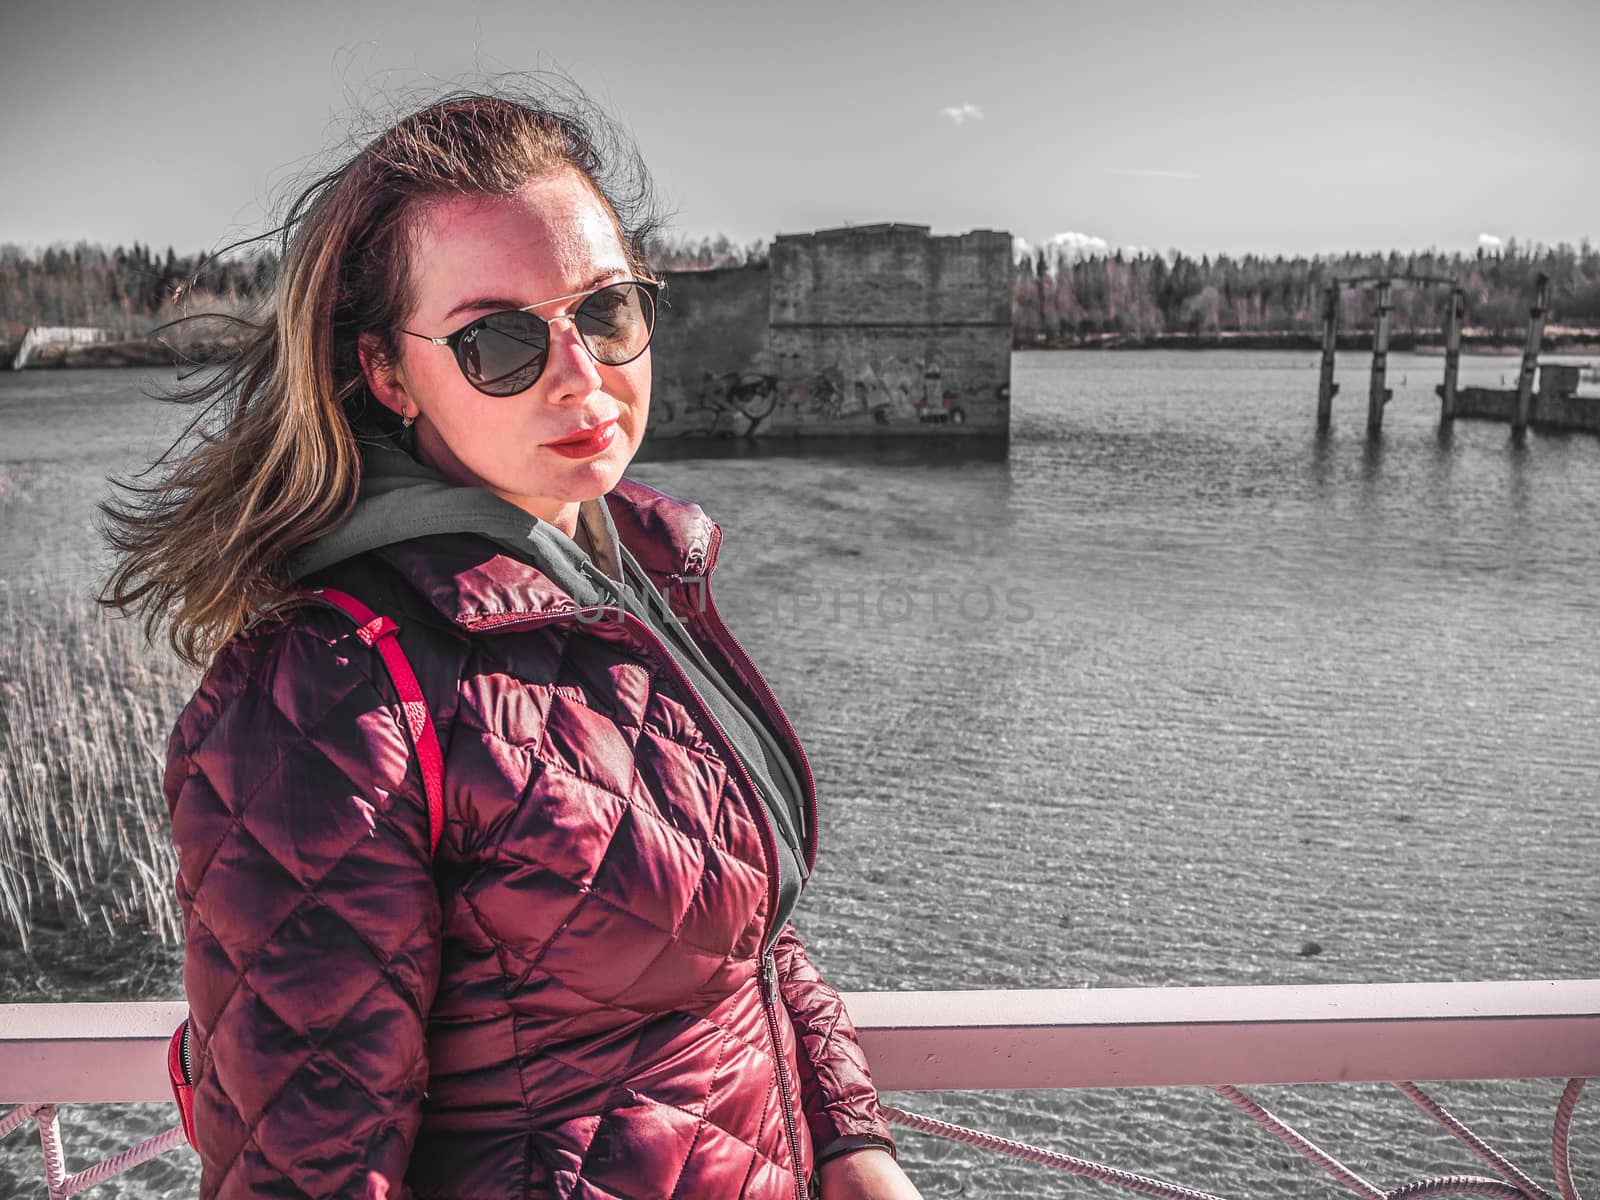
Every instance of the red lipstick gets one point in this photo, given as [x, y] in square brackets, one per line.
[586, 442]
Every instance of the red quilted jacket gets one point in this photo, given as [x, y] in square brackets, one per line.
[571, 998]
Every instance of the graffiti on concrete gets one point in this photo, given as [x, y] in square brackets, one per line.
[889, 391]
[730, 404]
[850, 390]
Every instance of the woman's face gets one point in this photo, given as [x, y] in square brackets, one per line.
[471, 256]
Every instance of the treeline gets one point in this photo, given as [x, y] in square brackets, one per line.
[1056, 300]
[1061, 302]
[672, 253]
[131, 290]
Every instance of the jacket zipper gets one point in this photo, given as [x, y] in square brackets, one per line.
[769, 987]
[185, 1059]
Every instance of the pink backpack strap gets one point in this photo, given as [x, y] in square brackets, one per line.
[380, 632]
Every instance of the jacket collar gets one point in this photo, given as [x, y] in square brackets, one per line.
[477, 557]
[672, 539]
[479, 581]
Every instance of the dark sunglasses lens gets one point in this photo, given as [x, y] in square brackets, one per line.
[503, 354]
[615, 322]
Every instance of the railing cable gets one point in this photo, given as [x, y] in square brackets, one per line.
[55, 1162]
[16, 1117]
[1472, 1141]
[1048, 1158]
[58, 1184]
[172, 1139]
[1442, 1185]
[1519, 1187]
[1299, 1143]
[1559, 1139]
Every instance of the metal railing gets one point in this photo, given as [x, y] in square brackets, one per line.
[52, 1054]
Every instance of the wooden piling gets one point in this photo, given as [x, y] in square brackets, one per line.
[1327, 389]
[1530, 358]
[1452, 355]
[1377, 393]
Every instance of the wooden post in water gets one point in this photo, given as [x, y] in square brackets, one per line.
[1452, 355]
[1327, 389]
[1377, 394]
[1530, 358]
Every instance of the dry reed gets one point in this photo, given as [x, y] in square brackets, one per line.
[86, 706]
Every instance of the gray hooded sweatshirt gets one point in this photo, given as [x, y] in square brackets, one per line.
[400, 498]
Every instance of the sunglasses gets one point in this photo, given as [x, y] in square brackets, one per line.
[504, 353]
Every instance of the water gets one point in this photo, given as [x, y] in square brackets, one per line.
[61, 434]
[1171, 692]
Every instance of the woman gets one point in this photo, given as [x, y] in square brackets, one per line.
[590, 989]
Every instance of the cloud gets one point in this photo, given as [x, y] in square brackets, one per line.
[962, 113]
[1488, 241]
[1071, 246]
[1147, 173]
[1068, 247]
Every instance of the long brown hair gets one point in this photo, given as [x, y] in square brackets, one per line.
[272, 461]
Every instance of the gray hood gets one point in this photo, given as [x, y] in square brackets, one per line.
[400, 498]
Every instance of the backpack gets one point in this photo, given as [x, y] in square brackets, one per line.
[378, 632]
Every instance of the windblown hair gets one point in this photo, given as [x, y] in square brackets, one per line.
[272, 460]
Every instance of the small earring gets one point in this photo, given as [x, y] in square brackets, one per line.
[406, 419]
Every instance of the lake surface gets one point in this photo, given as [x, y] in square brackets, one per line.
[1174, 690]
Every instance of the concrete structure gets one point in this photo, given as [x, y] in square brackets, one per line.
[1379, 394]
[41, 339]
[1530, 357]
[879, 329]
[1556, 405]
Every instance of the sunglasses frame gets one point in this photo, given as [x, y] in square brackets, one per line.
[651, 287]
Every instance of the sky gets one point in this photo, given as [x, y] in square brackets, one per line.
[1272, 127]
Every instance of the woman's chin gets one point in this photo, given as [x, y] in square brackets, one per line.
[589, 478]
[606, 468]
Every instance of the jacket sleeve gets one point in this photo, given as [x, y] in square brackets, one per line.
[311, 921]
[836, 1089]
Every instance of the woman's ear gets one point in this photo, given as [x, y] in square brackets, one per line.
[382, 376]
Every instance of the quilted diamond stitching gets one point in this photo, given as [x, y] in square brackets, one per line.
[649, 811]
[781, 1163]
[726, 837]
[313, 1054]
[199, 788]
[303, 735]
[711, 1086]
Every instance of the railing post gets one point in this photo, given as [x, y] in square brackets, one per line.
[1377, 394]
[1452, 356]
[1530, 358]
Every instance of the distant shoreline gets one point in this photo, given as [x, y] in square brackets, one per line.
[150, 352]
[1557, 340]
[127, 352]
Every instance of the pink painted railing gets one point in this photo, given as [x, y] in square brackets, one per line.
[1222, 1038]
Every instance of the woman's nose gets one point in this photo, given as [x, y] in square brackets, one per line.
[571, 371]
